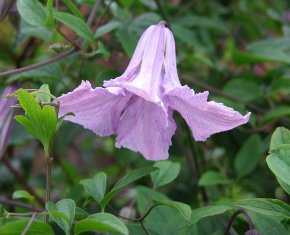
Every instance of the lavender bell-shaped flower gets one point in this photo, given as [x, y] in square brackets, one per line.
[138, 105]
[6, 117]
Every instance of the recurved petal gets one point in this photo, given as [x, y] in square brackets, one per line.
[96, 109]
[147, 128]
[203, 117]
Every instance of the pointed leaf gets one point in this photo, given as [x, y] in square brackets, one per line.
[183, 209]
[167, 172]
[101, 222]
[96, 186]
[280, 136]
[75, 23]
[210, 178]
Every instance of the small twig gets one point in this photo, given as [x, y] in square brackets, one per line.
[48, 161]
[6, 201]
[144, 228]
[93, 12]
[234, 216]
[38, 65]
[74, 43]
[29, 224]
[21, 180]
[102, 16]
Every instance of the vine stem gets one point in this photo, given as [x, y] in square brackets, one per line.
[234, 216]
[48, 161]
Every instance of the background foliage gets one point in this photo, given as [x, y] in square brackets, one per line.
[238, 50]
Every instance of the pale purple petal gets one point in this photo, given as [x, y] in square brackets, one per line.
[147, 128]
[203, 117]
[170, 79]
[96, 109]
[145, 81]
[6, 116]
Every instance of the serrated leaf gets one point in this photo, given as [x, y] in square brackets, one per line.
[43, 97]
[75, 23]
[62, 213]
[210, 178]
[40, 122]
[101, 222]
[167, 172]
[32, 11]
[124, 181]
[183, 209]
[96, 186]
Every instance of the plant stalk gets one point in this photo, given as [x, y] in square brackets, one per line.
[48, 161]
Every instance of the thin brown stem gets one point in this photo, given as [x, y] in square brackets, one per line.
[162, 11]
[93, 12]
[48, 161]
[144, 228]
[6, 201]
[38, 65]
[21, 180]
[234, 216]
[29, 224]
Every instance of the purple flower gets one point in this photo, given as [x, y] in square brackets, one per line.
[138, 105]
[6, 117]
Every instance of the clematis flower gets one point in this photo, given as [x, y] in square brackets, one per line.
[6, 117]
[137, 106]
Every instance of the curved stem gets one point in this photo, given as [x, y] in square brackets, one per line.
[234, 216]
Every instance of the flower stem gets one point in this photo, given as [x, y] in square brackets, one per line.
[48, 161]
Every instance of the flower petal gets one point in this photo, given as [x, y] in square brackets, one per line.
[170, 79]
[147, 128]
[144, 81]
[6, 116]
[204, 118]
[96, 109]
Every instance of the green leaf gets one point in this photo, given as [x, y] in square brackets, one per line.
[40, 122]
[101, 222]
[206, 211]
[62, 213]
[43, 97]
[107, 28]
[278, 112]
[279, 164]
[243, 89]
[22, 194]
[210, 178]
[128, 41]
[183, 209]
[73, 8]
[17, 227]
[32, 11]
[75, 23]
[124, 181]
[285, 186]
[248, 156]
[167, 172]
[271, 207]
[96, 186]
[280, 136]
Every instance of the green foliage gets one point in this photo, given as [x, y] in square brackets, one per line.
[101, 222]
[210, 178]
[39, 122]
[22, 194]
[17, 227]
[62, 213]
[75, 23]
[167, 172]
